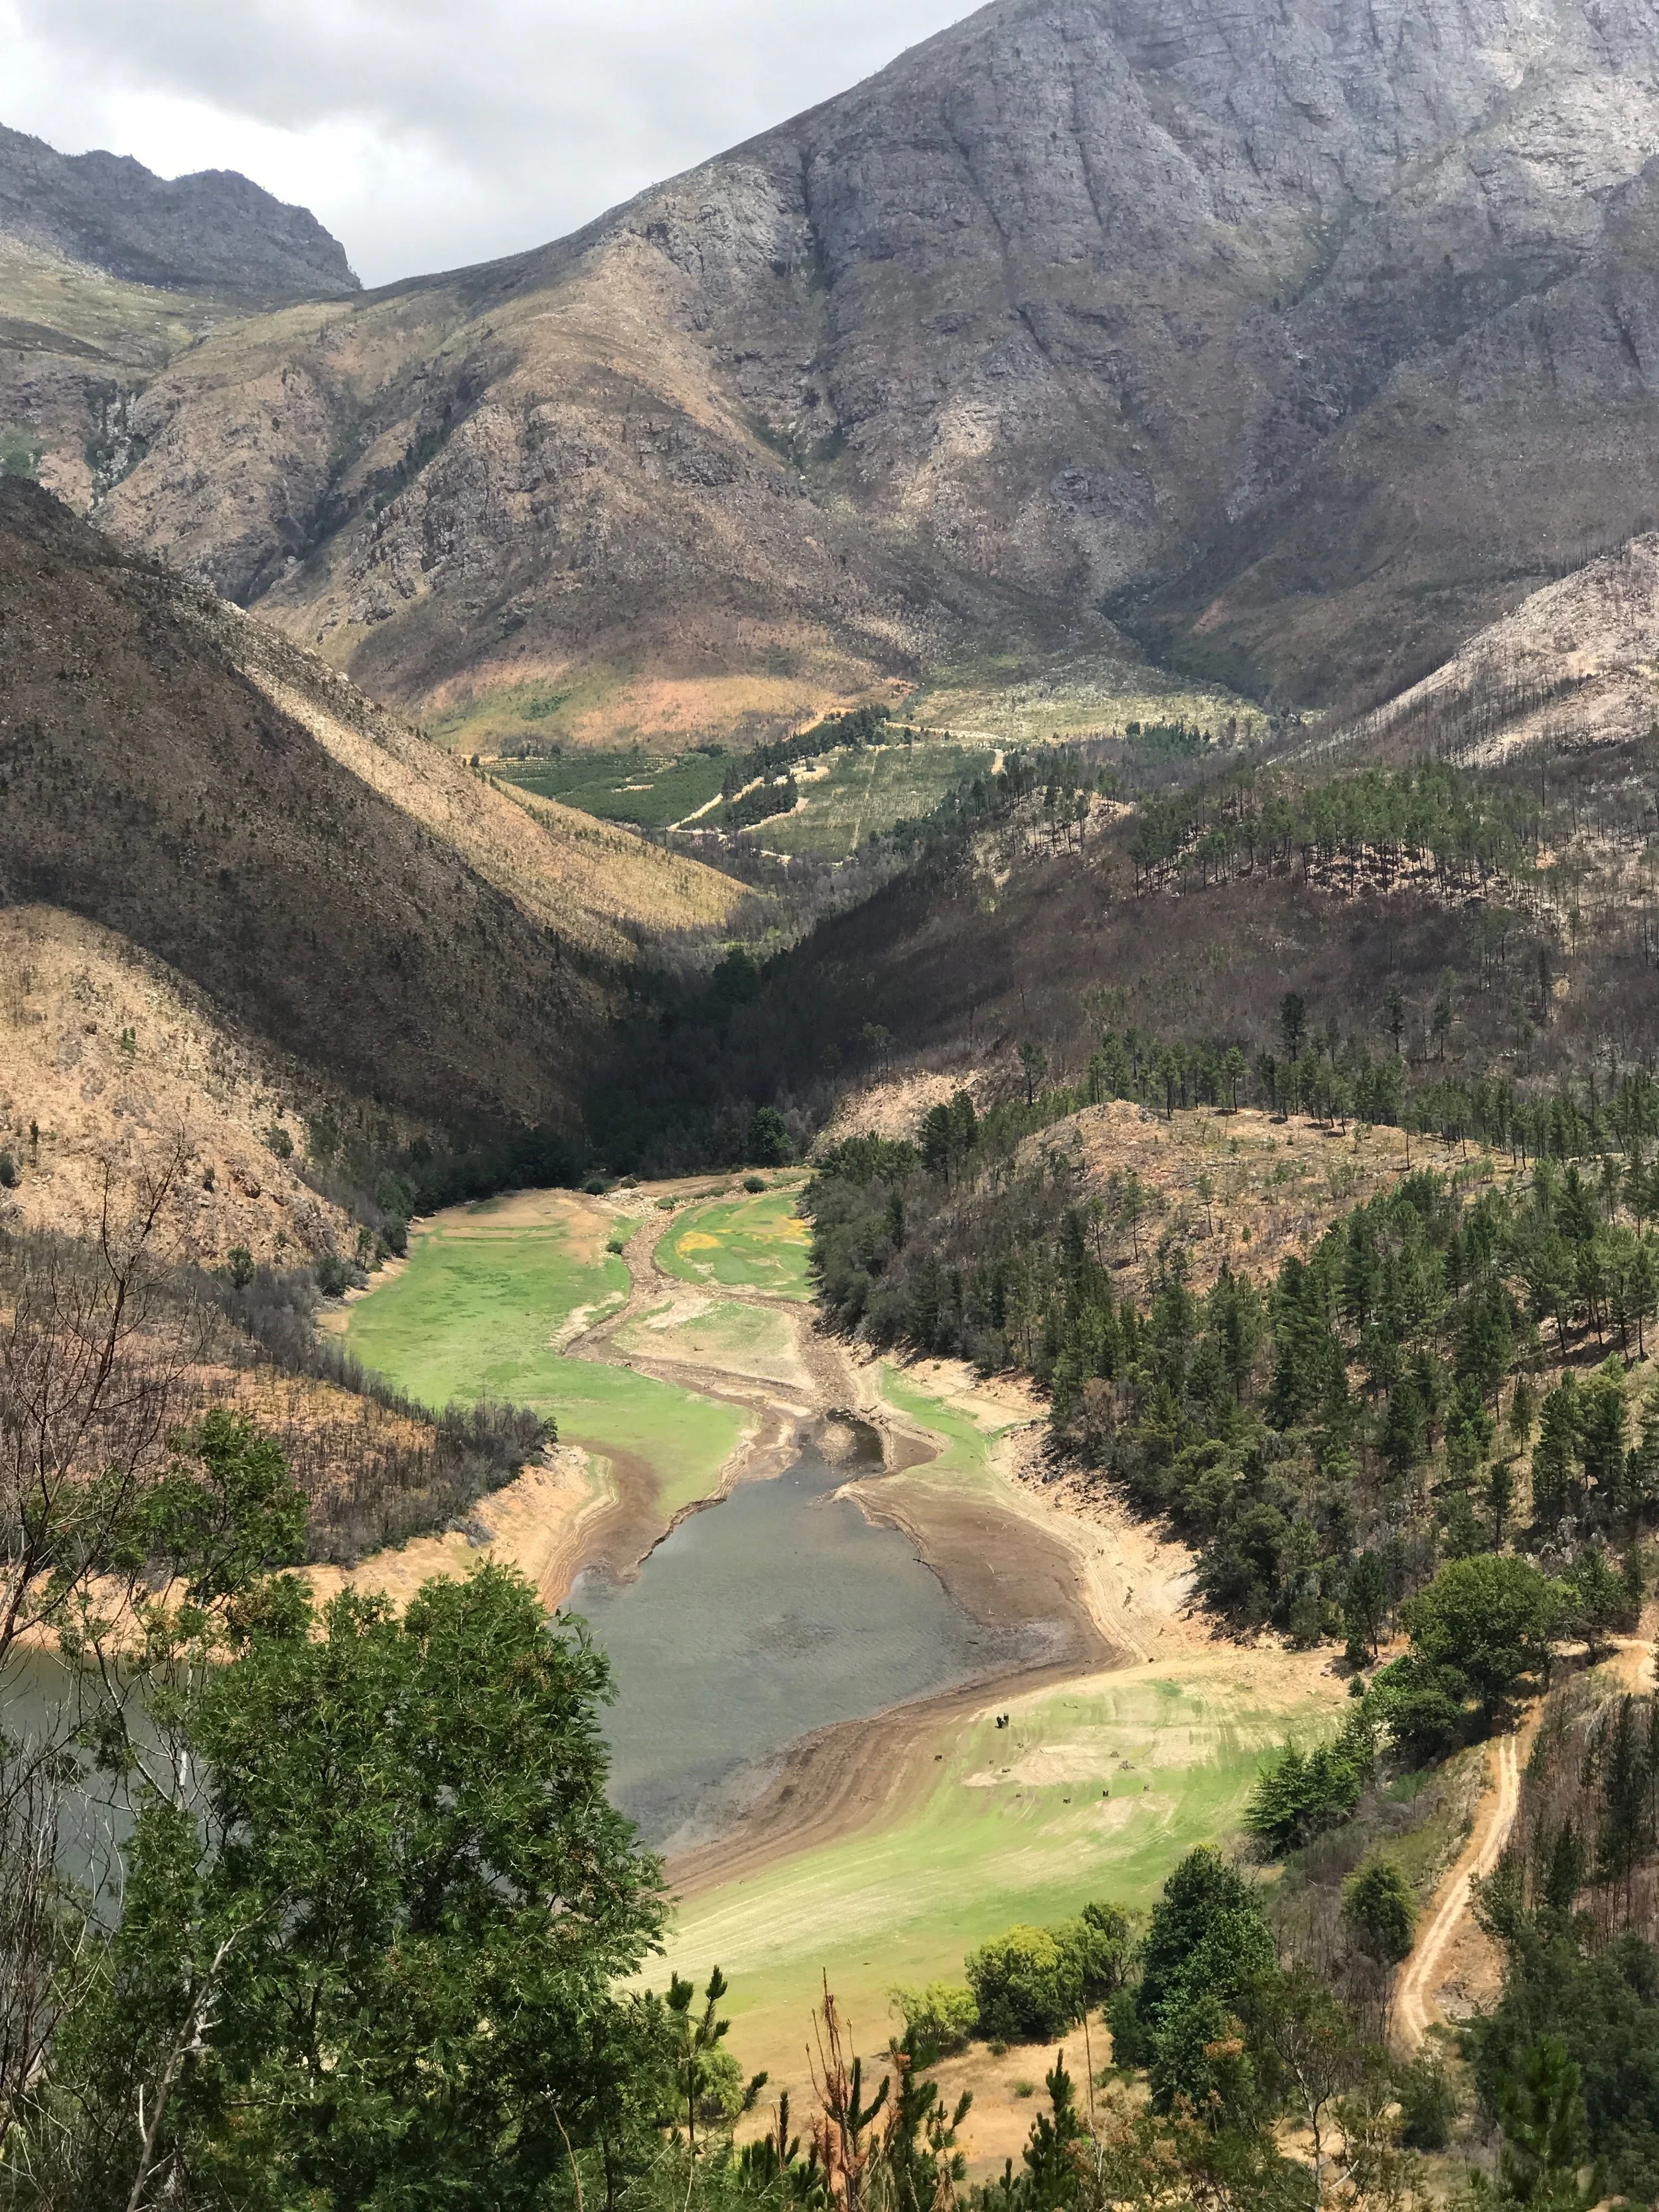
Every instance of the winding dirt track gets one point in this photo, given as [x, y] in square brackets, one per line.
[1632, 1657]
[1413, 1992]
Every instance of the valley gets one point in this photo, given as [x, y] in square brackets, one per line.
[829, 1152]
[809, 1672]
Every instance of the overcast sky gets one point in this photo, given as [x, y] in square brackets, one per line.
[426, 133]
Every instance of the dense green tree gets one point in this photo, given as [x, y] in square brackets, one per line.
[768, 1144]
[1379, 1907]
[1025, 1985]
[1491, 1618]
[1546, 2138]
[376, 1963]
[1555, 1456]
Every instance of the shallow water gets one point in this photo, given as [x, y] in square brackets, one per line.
[778, 1612]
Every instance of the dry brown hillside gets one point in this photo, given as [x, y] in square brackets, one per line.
[109, 1062]
[593, 883]
[149, 786]
[1575, 664]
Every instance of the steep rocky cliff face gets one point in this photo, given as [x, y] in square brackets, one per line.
[1301, 337]
[215, 232]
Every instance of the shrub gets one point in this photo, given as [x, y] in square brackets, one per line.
[1428, 2104]
[768, 1144]
[1132, 2046]
[240, 1265]
[1377, 1906]
[1023, 1986]
[394, 1235]
[941, 2017]
[333, 1276]
[1491, 1618]
[1301, 1794]
[8, 1172]
[753, 1182]
[596, 1186]
[277, 1140]
[1098, 1947]
[1422, 1705]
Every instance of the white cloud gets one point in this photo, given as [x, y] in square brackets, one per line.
[426, 133]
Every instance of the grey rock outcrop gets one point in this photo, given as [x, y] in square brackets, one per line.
[1301, 336]
[213, 233]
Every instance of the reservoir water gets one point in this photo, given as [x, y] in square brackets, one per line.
[775, 1613]
[778, 1612]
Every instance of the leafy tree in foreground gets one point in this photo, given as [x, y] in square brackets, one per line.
[375, 1966]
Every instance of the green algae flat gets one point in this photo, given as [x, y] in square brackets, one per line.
[757, 1243]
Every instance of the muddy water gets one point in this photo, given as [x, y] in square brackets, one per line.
[780, 1611]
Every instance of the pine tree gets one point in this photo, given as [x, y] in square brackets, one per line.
[1051, 2177]
[1555, 1457]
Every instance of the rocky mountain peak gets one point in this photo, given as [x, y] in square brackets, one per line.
[215, 232]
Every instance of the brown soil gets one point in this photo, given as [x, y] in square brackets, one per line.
[117, 1061]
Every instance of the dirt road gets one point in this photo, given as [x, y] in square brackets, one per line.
[1413, 1999]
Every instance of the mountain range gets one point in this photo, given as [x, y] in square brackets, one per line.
[1289, 343]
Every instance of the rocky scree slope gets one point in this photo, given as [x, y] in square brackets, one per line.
[1302, 336]
[147, 785]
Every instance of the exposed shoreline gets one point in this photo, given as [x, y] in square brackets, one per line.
[1016, 1561]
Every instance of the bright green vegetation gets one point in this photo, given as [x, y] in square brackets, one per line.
[848, 792]
[867, 790]
[474, 1314]
[967, 1452]
[622, 787]
[1014, 1828]
[758, 1243]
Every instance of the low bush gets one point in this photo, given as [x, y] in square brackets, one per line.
[942, 2017]
[1022, 1988]
[1428, 2104]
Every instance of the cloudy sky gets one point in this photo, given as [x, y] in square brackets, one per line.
[426, 133]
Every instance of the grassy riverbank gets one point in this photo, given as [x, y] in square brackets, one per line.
[1094, 1789]
[488, 1294]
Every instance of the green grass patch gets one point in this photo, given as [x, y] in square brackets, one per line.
[1018, 1823]
[724, 1334]
[757, 1242]
[869, 790]
[471, 1316]
[967, 1452]
[621, 786]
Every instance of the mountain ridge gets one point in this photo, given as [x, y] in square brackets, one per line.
[1297, 344]
[213, 231]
